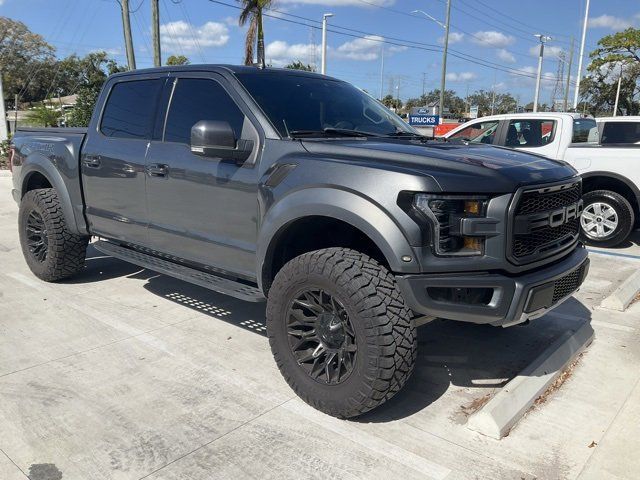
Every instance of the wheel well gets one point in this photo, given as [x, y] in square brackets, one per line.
[590, 184]
[314, 233]
[34, 181]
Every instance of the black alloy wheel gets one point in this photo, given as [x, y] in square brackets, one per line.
[321, 336]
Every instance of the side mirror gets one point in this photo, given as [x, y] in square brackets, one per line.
[213, 138]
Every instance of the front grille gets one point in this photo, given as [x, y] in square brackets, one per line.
[535, 202]
[540, 233]
[567, 285]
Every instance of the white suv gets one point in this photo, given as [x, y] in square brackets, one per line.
[610, 169]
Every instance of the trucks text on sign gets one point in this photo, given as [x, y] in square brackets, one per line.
[420, 120]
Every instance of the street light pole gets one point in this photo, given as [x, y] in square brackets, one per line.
[615, 107]
[444, 51]
[542, 39]
[444, 58]
[323, 64]
[584, 36]
[381, 71]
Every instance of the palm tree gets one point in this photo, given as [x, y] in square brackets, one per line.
[252, 13]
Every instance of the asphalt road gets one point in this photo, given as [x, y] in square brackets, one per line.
[121, 373]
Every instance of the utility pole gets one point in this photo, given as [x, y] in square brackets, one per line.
[444, 59]
[126, 27]
[323, 67]
[3, 117]
[565, 101]
[155, 26]
[493, 99]
[543, 39]
[15, 114]
[584, 36]
[398, 96]
[382, 72]
[424, 84]
[615, 108]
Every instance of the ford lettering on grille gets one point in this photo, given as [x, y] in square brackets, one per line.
[545, 221]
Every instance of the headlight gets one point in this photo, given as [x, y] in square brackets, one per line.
[446, 213]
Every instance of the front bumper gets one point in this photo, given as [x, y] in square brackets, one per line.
[495, 299]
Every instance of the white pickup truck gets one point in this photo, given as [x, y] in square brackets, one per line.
[610, 168]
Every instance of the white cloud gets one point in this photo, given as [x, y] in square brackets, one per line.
[183, 36]
[280, 53]
[365, 49]
[506, 56]
[454, 37]
[343, 3]
[547, 78]
[461, 77]
[492, 39]
[549, 51]
[109, 51]
[609, 21]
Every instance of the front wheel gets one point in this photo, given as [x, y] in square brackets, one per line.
[607, 218]
[340, 331]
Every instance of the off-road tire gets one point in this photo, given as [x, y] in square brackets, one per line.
[384, 330]
[65, 251]
[623, 209]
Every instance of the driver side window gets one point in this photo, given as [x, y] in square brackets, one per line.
[479, 132]
[196, 99]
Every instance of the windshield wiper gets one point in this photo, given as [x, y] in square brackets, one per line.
[328, 132]
[405, 134]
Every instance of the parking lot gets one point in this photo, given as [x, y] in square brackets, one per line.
[126, 374]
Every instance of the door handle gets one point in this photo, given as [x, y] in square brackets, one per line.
[157, 170]
[91, 161]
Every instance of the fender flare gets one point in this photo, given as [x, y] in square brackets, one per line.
[39, 164]
[621, 178]
[343, 205]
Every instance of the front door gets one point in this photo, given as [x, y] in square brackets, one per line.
[202, 209]
[113, 161]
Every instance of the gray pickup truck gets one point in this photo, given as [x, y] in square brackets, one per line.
[302, 190]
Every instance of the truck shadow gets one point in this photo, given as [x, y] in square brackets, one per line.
[478, 358]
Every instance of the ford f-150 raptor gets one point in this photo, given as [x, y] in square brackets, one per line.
[302, 190]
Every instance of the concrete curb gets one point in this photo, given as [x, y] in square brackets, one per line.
[504, 410]
[5, 173]
[623, 295]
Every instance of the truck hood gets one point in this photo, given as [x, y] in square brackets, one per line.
[456, 167]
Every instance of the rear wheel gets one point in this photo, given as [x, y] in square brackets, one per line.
[607, 218]
[51, 251]
[340, 332]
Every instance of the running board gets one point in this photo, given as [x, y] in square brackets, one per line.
[191, 275]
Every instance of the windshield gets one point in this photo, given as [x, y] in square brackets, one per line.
[305, 105]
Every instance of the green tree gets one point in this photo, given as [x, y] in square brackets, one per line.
[177, 60]
[251, 13]
[391, 102]
[298, 65]
[94, 70]
[43, 116]
[24, 57]
[617, 54]
[455, 104]
[504, 102]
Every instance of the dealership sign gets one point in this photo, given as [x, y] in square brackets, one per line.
[423, 120]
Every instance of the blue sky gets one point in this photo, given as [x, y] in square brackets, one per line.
[493, 37]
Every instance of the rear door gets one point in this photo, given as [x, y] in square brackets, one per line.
[113, 159]
[203, 209]
[535, 135]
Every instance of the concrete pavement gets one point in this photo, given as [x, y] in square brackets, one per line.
[121, 373]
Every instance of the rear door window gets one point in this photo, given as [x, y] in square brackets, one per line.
[621, 132]
[478, 132]
[130, 109]
[530, 133]
[585, 130]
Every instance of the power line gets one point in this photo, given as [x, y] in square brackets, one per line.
[389, 41]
